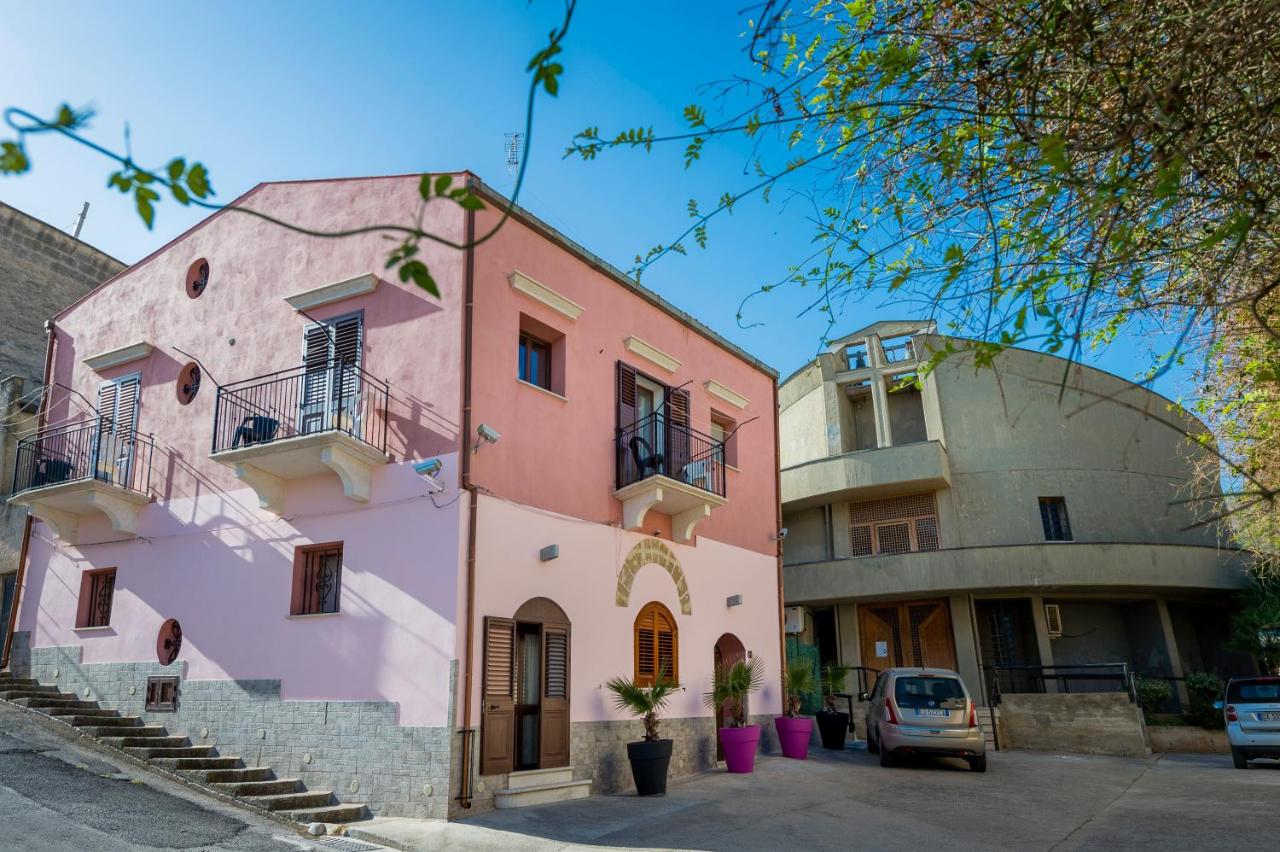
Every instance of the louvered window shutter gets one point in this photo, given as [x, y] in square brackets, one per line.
[678, 433]
[626, 395]
[497, 731]
[126, 417]
[107, 401]
[316, 348]
[657, 645]
[554, 738]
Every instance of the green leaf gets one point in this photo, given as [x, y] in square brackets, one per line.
[176, 167]
[13, 159]
[198, 181]
[442, 184]
[471, 202]
[424, 187]
[417, 270]
[180, 194]
[1053, 150]
[145, 210]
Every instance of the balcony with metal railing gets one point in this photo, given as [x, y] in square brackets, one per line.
[63, 473]
[300, 423]
[670, 468]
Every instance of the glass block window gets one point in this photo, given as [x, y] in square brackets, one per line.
[1053, 514]
[905, 524]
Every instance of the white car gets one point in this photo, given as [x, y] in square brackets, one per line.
[1252, 713]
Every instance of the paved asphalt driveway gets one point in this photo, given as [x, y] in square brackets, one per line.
[57, 795]
[1026, 800]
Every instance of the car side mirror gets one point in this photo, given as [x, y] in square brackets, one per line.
[1218, 705]
[862, 696]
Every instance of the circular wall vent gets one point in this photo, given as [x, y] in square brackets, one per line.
[169, 642]
[188, 382]
[197, 278]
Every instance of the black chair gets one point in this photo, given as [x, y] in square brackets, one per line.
[256, 429]
[646, 459]
[50, 471]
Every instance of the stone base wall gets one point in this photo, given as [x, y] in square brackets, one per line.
[1186, 739]
[354, 748]
[1085, 723]
[598, 752]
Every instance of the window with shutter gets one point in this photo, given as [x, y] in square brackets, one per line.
[331, 357]
[657, 647]
[497, 733]
[906, 524]
[118, 419]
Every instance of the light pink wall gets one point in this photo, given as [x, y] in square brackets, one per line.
[559, 454]
[208, 556]
[583, 581]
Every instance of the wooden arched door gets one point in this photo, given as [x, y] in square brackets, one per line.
[525, 707]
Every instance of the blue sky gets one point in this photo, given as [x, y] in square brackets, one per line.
[277, 89]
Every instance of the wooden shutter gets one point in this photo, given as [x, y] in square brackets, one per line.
[656, 645]
[348, 338]
[316, 348]
[498, 709]
[553, 742]
[678, 433]
[626, 395]
[107, 400]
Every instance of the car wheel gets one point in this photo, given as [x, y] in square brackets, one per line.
[1238, 758]
[873, 747]
[886, 757]
[977, 764]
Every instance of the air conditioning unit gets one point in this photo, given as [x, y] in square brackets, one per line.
[1053, 618]
[794, 617]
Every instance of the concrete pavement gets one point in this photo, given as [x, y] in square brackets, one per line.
[57, 795]
[1027, 800]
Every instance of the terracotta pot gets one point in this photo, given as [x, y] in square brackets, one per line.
[740, 747]
[794, 735]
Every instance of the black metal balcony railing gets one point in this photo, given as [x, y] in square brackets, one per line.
[301, 401]
[87, 449]
[654, 446]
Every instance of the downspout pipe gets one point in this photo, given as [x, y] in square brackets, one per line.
[777, 502]
[41, 419]
[467, 731]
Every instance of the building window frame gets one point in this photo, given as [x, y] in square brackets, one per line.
[722, 429]
[534, 361]
[317, 583]
[97, 598]
[922, 533]
[162, 695]
[1055, 519]
[653, 623]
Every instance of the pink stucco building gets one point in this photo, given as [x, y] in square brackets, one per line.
[405, 539]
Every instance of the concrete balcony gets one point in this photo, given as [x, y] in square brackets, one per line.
[867, 474]
[267, 467]
[686, 504]
[664, 466]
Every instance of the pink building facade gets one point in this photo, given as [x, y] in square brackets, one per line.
[406, 539]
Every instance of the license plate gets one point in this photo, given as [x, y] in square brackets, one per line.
[932, 711]
[1269, 716]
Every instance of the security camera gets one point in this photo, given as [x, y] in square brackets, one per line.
[428, 470]
[488, 433]
[782, 533]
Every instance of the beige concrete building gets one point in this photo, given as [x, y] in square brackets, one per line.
[42, 270]
[982, 522]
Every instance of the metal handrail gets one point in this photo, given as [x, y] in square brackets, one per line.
[1077, 672]
[302, 401]
[91, 449]
[655, 445]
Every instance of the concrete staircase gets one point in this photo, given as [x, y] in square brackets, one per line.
[987, 717]
[541, 787]
[202, 765]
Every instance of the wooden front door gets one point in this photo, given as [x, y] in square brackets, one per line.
[498, 700]
[553, 740]
[911, 633]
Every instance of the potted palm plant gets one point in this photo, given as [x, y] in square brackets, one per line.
[651, 756]
[729, 688]
[833, 725]
[794, 730]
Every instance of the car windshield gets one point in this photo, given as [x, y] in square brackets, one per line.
[1250, 691]
[927, 691]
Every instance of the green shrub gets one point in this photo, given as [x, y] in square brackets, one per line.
[1203, 689]
[1152, 692]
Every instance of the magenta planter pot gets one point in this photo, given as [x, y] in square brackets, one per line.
[794, 735]
[740, 747]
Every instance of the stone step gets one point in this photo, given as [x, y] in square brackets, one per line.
[79, 719]
[13, 692]
[101, 731]
[541, 794]
[104, 717]
[539, 777]
[293, 801]
[149, 752]
[62, 702]
[330, 814]
[230, 776]
[186, 764]
[273, 787]
[149, 742]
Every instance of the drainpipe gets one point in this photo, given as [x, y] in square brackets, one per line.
[777, 485]
[50, 334]
[467, 732]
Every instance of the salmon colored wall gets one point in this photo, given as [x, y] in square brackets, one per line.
[558, 454]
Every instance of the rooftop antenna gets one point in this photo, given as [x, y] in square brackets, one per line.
[84, 211]
[513, 147]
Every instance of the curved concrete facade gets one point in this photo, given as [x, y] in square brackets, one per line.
[955, 495]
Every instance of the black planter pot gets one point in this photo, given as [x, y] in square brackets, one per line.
[833, 727]
[649, 761]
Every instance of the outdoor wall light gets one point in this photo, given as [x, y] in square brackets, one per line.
[733, 600]
[551, 551]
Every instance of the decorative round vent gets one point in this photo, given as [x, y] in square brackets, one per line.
[169, 642]
[188, 382]
[197, 278]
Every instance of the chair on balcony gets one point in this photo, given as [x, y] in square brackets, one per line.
[256, 429]
[50, 471]
[644, 457]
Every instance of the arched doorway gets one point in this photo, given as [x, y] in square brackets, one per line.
[525, 708]
[729, 650]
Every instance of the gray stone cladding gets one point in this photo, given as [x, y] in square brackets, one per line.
[354, 748]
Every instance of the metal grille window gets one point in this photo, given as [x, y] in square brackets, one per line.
[162, 694]
[906, 524]
[317, 579]
[97, 592]
[657, 645]
[1053, 514]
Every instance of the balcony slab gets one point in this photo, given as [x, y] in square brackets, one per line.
[866, 475]
[686, 504]
[62, 505]
[266, 467]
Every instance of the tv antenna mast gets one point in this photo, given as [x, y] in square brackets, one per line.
[513, 147]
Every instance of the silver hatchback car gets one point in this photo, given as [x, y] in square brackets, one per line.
[1252, 713]
[923, 711]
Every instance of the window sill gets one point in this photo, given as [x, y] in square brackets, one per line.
[315, 614]
[732, 468]
[99, 629]
[541, 389]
